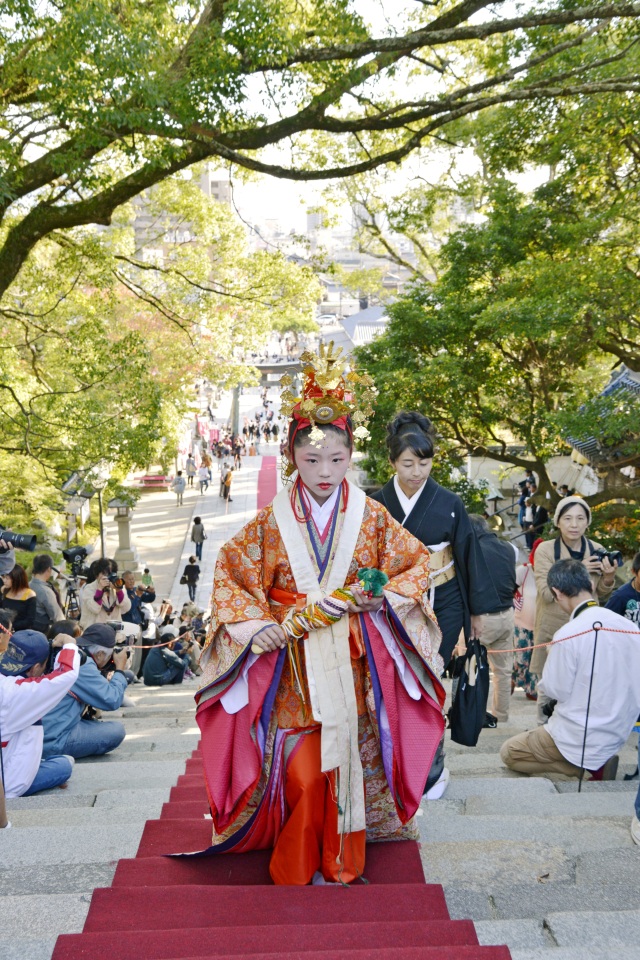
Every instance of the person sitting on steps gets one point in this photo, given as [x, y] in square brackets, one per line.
[598, 668]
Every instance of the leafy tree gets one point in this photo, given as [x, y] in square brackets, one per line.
[495, 349]
[102, 100]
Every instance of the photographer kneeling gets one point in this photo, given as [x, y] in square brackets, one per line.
[26, 693]
[67, 729]
[163, 666]
[599, 667]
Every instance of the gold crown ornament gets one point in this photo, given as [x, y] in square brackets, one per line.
[329, 394]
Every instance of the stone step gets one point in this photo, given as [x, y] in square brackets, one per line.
[484, 864]
[110, 840]
[513, 933]
[74, 816]
[19, 949]
[610, 866]
[27, 917]
[122, 774]
[531, 901]
[581, 952]
[45, 879]
[581, 805]
[615, 929]
[590, 834]
[461, 788]
[172, 754]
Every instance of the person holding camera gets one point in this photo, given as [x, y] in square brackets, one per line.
[26, 693]
[591, 682]
[571, 518]
[164, 666]
[103, 596]
[138, 595]
[69, 727]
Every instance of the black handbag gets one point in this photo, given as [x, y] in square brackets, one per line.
[470, 693]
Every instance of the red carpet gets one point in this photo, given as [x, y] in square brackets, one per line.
[159, 908]
[267, 482]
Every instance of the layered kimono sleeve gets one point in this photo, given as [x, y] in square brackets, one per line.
[239, 606]
[237, 691]
[405, 560]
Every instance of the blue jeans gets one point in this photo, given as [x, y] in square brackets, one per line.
[93, 738]
[172, 675]
[199, 550]
[51, 773]
[191, 587]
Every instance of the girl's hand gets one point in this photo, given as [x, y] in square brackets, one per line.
[273, 638]
[363, 603]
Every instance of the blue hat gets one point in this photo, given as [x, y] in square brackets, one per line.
[26, 648]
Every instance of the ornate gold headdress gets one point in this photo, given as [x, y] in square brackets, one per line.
[329, 395]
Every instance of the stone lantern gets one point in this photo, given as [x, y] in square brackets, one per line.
[125, 555]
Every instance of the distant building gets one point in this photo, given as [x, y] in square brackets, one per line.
[358, 329]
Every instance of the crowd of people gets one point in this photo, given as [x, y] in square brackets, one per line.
[60, 676]
[553, 625]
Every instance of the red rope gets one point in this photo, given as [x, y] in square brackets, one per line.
[549, 643]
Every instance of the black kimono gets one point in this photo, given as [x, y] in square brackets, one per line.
[440, 516]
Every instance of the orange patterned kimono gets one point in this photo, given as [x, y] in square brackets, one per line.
[263, 743]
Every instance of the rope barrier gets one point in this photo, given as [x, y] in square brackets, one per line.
[550, 643]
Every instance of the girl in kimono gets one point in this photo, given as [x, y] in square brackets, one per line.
[313, 746]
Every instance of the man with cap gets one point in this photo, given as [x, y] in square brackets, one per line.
[163, 666]
[26, 693]
[66, 730]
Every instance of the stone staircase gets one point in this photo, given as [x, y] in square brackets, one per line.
[551, 873]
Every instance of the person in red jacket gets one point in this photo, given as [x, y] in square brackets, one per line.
[26, 694]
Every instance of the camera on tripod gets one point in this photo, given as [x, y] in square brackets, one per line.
[75, 557]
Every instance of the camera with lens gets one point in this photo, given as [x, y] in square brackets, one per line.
[19, 541]
[613, 556]
[75, 557]
[117, 581]
[549, 707]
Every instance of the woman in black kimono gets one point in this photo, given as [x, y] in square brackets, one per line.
[462, 588]
[461, 583]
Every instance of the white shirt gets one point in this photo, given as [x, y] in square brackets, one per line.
[615, 693]
[322, 512]
[23, 702]
[407, 503]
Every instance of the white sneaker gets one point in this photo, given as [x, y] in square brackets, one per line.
[72, 760]
[635, 830]
[127, 701]
[439, 788]
[7, 826]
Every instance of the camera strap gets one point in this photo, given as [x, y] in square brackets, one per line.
[575, 554]
[597, 626]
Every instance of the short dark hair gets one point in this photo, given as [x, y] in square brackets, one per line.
[569, 577]
[635, 563]
[41, 563]
[479, 523]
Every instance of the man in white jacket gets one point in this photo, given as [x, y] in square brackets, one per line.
[594, 666]
[24, 700]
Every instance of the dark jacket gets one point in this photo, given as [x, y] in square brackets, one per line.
[501, 563]
[135, 614]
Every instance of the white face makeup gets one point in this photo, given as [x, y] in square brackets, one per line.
[323, 467]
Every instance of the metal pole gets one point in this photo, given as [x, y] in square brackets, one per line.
[235, 412]
[3, 809]
[102, 550]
